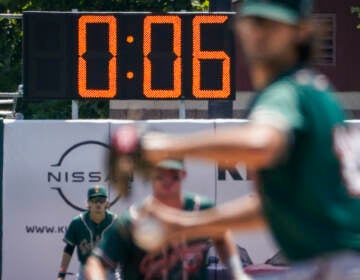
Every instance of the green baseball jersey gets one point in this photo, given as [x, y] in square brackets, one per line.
[307, 204]
[85, 234]
[118, 247]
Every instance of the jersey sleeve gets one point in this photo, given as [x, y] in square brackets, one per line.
[70, 235]
[279, 106]
[112, 249]
[195, 202]
[206, 203]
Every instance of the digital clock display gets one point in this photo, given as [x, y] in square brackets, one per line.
[128, 55]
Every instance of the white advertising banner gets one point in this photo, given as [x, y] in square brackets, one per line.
[48, 167]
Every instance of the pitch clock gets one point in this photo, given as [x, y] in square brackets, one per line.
[128, 55]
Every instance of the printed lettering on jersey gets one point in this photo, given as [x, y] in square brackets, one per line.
[347, 148]
[191, 258]
[85, 247]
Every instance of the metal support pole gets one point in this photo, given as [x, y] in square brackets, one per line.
[74, 109]
[182, 109]
[74, 103]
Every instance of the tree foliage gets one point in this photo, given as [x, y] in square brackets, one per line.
[356, 10]
[11, 40]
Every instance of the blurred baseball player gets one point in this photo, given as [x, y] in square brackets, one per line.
[179, 261]
[86, 230]
[295, 141]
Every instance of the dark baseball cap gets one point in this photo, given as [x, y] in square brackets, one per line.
[286, 11]
[97, 191]
[171, 164]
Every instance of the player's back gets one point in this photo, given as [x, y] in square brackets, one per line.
[308, 206]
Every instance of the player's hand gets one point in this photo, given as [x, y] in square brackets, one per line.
[126, 157]
[135, 149]
[159, 225]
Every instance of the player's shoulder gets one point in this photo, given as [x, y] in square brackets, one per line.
[284, 86]
[194, 201]
[299, 82]
[125, 218]
[128, 215]
[77, 221]
[111, 214]
[78, 218]
[310, 79]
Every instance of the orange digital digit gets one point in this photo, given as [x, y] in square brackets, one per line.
[199, 55]
[149, 92]
[110, 92]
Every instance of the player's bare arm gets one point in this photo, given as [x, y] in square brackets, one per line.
[256, 145]
[65, 261]
[94, 269]
[228, 253]
[243, 213]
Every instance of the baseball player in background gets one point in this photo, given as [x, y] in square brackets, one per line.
[86, 230]
[296, 142]
[180, 260]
